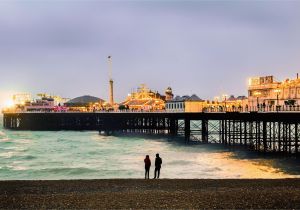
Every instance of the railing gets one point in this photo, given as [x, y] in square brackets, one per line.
[101, 111]
[221, 109]
[260, 108]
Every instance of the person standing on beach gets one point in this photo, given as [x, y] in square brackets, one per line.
[147, 162]
[158, 162]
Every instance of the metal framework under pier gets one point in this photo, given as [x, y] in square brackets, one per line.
[264, 132]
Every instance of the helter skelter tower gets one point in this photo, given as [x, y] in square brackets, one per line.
[111, 82]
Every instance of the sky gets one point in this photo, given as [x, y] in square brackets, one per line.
[204, 47]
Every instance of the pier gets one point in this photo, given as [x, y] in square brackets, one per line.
[267, 132]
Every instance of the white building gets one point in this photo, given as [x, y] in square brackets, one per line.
[185, 104]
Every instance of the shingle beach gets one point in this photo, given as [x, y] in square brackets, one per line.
[145, 194]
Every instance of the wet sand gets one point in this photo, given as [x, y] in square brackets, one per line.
[145, 194]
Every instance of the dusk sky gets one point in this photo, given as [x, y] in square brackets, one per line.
[202, 47]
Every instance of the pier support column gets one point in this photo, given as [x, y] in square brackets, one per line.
[296, 139]
[279, 137]
[222, 131]
[173, 127]
[265, 136]
[187, 129]
[225, 131]
[205, 131]
[245, 134]
[5, 121]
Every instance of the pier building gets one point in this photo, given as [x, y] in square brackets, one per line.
[58, 100]
[186, 104]
[269, 93]
[169, 94]
[86, 104]
[237, 103]
[227, 104]
[195, 104]
[230, 104]
[21, 98]
[144, 99]
[42, 105]
[23, 102]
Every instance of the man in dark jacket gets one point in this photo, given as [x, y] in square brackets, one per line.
[158, 162]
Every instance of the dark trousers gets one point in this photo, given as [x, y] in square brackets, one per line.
[156, 172]
[147, 169]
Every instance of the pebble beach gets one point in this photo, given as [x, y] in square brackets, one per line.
[151, 194]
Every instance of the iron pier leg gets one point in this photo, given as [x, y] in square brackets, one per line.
[187, 129]
[205, 131]
[265, 136]
[279, 136]
[296, 138]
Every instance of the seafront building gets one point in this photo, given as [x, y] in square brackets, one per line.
[266, 92]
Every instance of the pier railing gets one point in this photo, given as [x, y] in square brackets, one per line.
[285, 108]
[261, 108]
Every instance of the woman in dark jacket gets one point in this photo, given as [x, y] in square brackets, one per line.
[147, 162]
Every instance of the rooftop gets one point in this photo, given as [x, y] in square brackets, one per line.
[193, 97]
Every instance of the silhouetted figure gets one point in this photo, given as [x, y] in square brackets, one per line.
[158, 162]
[147, 162]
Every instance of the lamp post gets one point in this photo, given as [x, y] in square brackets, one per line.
[277, 91]
[257, 94]
[225, 104]
[223, 100]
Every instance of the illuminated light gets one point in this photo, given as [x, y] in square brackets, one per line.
[9, 103]
[249, 81]
[257, 93]
[216, 98]
[277, 90]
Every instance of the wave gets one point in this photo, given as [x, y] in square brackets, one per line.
[67, 171]
[180, 162]
[28, 157]
[5, 139]
[7, 154]
[10, 168]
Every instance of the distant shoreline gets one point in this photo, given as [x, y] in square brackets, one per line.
[145, 194]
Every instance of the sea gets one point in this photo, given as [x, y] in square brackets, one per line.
[56, 155]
